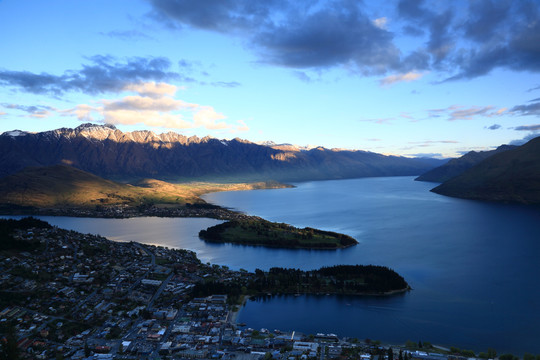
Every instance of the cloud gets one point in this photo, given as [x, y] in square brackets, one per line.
[35, 111]
[380, 23]
[525, 139]
[103, 74]
[494, 127]
[460, 112]
[427, 155]
[528, 127]
[392, 79]
[428, 143]
[529, 109]
[151, 89]
[226, 84]
[127, 35]
[460, 42]
[154, 105]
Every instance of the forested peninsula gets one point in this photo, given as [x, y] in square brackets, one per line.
[339, 279]
[260, 232]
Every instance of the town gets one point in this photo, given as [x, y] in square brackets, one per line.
[67, 295]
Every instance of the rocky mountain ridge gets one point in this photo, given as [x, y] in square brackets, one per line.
[110, 153]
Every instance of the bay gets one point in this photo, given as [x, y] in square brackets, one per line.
[473, 265]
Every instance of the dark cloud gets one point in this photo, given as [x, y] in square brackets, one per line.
[494, 127]
[302, 76]
[528, 128]
[36, 111]
[529, 109]
[127, 35]
[103, 74]
[486, 18]
[329, 37]
[295, 34]
[216, 15]
[462, 42]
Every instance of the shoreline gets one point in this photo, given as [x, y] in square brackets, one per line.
[233, 315]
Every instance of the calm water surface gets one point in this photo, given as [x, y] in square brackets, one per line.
[473, 265]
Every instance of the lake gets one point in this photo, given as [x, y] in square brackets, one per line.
[473, 266]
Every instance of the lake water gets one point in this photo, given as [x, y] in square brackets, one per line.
[473, 266]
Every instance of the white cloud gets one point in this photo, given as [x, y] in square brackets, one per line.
[155, 106]
[152, 89]
[380, 23]
[408, 77]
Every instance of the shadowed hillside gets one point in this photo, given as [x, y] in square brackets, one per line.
[61, 185]
[510, 176]
[458, 166]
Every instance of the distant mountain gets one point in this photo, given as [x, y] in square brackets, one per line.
[459, 165]
[509, 176]
[108, 152]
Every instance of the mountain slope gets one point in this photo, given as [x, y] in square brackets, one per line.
[458, 166]
[510, 176]
[111, 153]
[65, 186]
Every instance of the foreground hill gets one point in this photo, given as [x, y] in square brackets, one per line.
[113, 154]
[64, 186]
[458, 166]
[510, 176]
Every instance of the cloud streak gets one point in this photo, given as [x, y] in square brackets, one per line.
[408, 77]
[460, 112]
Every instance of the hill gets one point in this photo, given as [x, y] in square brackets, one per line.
[64, 186]
[457, 166]
[113, 154]
[509, 176]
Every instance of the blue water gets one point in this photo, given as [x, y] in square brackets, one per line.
[473, 265]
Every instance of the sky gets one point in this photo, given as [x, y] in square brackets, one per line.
[410, 77]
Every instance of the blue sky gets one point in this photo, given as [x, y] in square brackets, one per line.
[407, 77]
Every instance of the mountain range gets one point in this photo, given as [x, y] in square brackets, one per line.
[512, 175]
[106, 151]
[457, 166]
